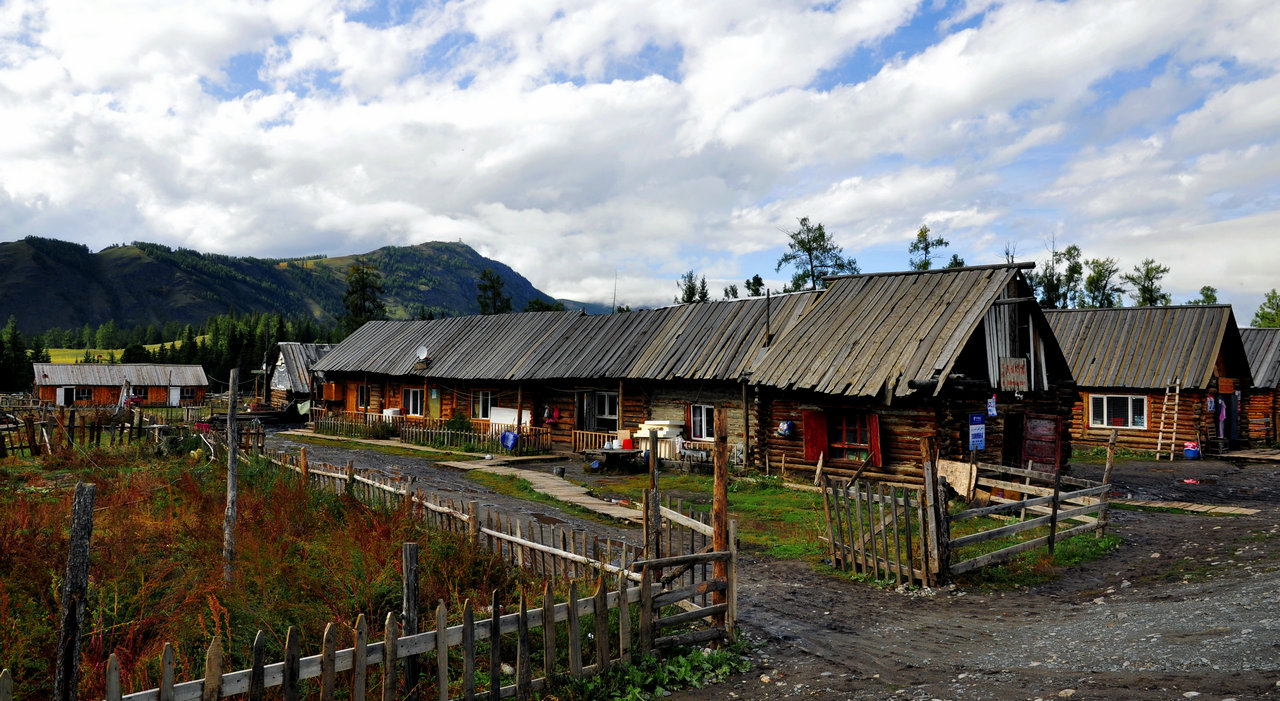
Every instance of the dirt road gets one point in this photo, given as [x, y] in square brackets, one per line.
[1187, 607]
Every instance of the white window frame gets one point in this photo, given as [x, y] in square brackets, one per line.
[481, 404]
[411, 399]
[1104, 421]
[702, 422]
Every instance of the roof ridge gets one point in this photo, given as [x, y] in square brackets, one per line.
[1020, 265]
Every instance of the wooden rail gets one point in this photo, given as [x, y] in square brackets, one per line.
[591, 440]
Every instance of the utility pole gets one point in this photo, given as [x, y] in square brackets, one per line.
[233, 444]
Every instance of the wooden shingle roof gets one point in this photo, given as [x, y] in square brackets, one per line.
[883, 330]
[115, 375]
[860, 335]
[1149, 347]
[1262, 346]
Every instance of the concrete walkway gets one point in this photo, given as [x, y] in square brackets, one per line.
[541, 482]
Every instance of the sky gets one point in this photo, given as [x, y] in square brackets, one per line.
[595, 146]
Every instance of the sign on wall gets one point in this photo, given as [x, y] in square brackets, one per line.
[1013, 375]
[977, 432]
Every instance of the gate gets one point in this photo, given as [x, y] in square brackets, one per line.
[878, 530]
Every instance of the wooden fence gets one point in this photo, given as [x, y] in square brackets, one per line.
[591, 440]
[47, 430]
[483, 436]
[904, 533]
[1021, 493]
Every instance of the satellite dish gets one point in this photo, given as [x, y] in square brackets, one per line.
[422, 352]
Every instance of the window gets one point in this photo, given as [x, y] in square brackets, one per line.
[850, 436]
[606, 411]
[84, 394]
[702, 422]
[1118, 411]
[362, 396]
[841, 435]
[481, 403]
[412, 402]
[140, 392]
[187, 394]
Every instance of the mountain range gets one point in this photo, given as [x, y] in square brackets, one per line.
[47, 283]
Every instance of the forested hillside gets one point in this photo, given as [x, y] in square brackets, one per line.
[50, 284]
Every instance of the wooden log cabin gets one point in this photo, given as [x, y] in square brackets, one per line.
[291, 375]
[91, 384]
[1261, 402]
[1160, 376]
[858, 371]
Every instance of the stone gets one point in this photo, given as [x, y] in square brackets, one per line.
[1067, 693]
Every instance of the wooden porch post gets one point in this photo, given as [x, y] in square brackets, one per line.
[720, 507]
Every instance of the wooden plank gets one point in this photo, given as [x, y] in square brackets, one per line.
[575, 633]
[495, 635]
[468, 652]
[524, 675]
[1013, 528]
[166, 671]
[327, 676]
[1006, 553]
[600, 612]
[442, 651]
[389, 652]
[624, 624]
[359, 659]
[211, 689]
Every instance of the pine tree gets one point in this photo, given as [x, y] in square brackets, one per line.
[814, 255]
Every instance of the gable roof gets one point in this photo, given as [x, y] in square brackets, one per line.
[136, 374]
[299, 358]
[1262, 346]
[885, 330]
[1149, 347]
[857, 336]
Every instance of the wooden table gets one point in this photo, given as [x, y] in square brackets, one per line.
[612, 457]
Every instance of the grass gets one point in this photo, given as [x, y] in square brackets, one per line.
[1098, 454]
[777, 521]
[1037, 566]
[72, 355]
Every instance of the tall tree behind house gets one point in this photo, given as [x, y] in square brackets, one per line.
[363, 298]
[1268, 314]
[490, 295]
[922, 249]
[1145, 284]
[814, 255]
[1101, 288]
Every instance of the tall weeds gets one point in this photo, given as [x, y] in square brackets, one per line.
[303, 558]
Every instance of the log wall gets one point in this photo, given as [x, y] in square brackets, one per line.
[1259, 415]
[1194, 424]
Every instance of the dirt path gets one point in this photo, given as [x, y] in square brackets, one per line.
[1188, 606]
[453, 483]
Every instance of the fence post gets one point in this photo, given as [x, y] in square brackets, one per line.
[473, 525]
[229, 521]
[720, 508]
[731, 613]
[1053, 511]
[113, 678]
[937, 561]
[257, 670]
[390, 647]
[6, 685]
[646, 611]
[495, 648]
[548, 632]
[524, 675]
[360, 659]
[166, 675]
[409, 613]
[351, 479]
[213, 672]
[74, 594]
[442, 650]
[328, 648]
[601, 608]
[1106, 479]
[575, 633]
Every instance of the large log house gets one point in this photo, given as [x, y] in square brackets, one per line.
[1141, 368]
[856, 372]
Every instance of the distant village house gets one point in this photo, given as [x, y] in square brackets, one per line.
[146, 384]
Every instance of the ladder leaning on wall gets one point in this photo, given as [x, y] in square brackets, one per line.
[1173, 390]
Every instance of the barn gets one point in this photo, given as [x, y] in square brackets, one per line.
[93, 384]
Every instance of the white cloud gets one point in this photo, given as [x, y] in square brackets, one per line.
[570, 139]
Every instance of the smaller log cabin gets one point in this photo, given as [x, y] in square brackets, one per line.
[852, 375]
[91, 384]
[1159, 376]
[292, 375]
[1261, 408]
